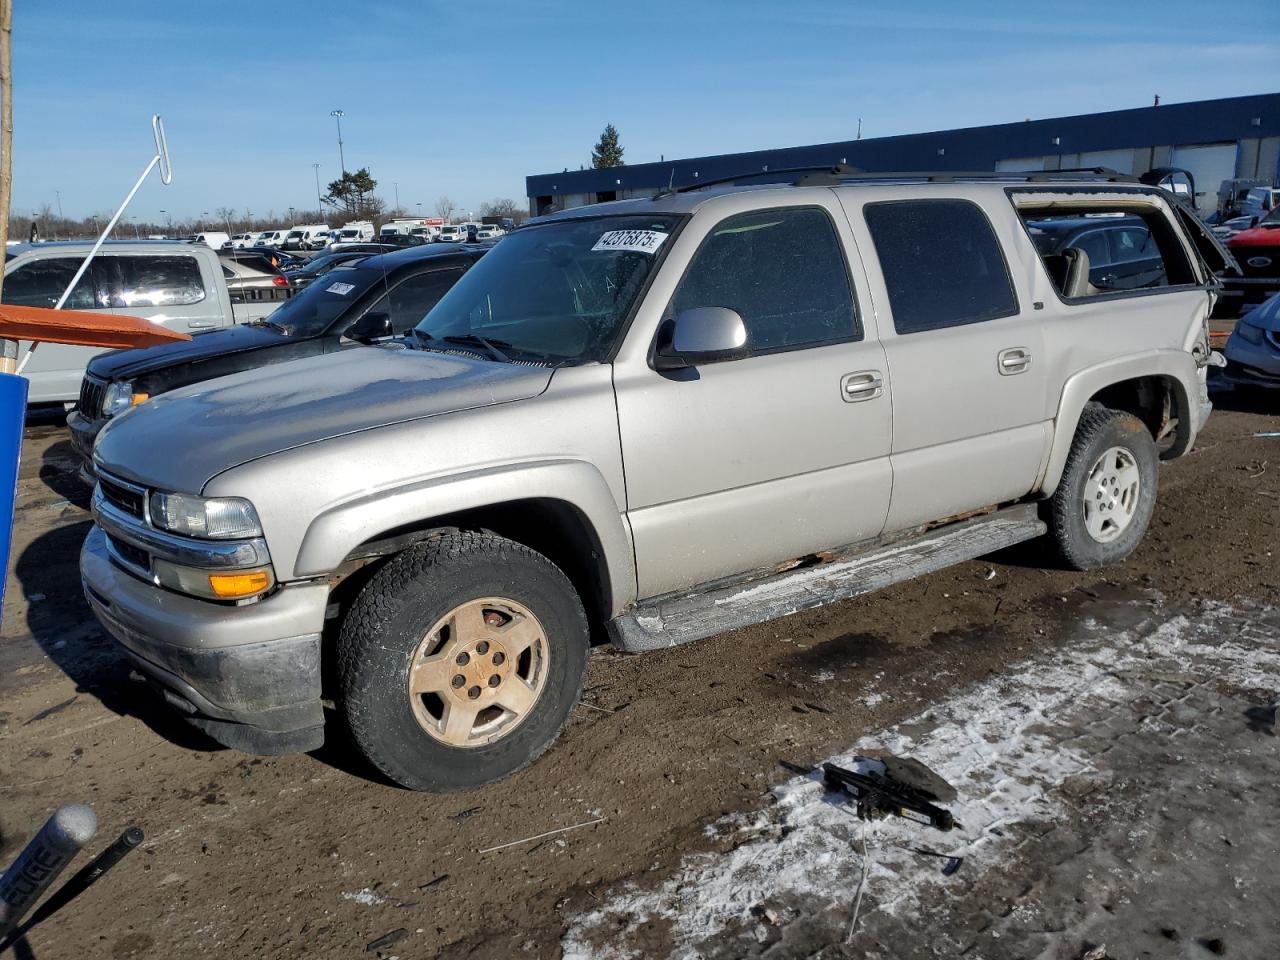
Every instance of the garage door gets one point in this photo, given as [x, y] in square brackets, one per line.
[1017, 164]
[1119, 160]
[1209, 164]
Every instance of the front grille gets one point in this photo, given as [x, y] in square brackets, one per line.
[90, 403]
[131, 500]
[130, 554]
[1266, 261]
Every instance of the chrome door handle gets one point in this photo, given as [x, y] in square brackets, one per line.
[1013, 360]
[863, 385]
[202, 324]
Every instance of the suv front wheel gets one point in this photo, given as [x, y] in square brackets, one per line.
[1104, 501]
[460, 661]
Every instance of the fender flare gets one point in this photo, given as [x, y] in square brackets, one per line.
[333, 534]
[1176, 366]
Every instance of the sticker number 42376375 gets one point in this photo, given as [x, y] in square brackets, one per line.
[639, 241]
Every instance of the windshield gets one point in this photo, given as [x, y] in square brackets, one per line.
[559, 291]
[1272, 217]
[310, 312]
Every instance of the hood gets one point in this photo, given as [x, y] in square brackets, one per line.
[1263, 235]
[1266, 315]
[181, 440]
[127, 364]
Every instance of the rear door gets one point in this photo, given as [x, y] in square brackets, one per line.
[963, 349]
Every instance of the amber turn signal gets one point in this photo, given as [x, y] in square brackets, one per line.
[230, 586]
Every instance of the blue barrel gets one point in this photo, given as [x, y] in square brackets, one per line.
[13, 409]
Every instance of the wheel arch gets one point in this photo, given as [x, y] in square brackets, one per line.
[1158, 387]
[562, 509]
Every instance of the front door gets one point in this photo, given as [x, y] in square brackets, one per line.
[743, 464]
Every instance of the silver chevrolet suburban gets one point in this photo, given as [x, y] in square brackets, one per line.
[652, 420]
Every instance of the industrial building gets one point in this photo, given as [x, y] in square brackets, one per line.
[1213, 139]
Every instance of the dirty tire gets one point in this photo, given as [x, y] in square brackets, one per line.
[391, 616]
[1100, 430]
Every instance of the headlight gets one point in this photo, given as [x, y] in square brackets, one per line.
[119, 397]
[218, 518]
[1249, 333]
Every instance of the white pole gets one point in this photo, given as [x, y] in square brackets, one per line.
[166, 175]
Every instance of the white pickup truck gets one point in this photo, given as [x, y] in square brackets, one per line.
[178, 285]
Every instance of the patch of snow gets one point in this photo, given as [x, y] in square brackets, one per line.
[824, 676]
[365, 896]
[995, 742]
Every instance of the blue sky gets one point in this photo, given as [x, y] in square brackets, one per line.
[465, 99]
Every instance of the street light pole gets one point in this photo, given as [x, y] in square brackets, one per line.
[319, 199]
[338, 115]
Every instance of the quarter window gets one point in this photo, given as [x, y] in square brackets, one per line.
[941, 263]
[783, 271]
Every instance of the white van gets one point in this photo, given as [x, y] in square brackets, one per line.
[215, 240]
[451, 233]
[357, 231]
[301, 237]
[271, 238]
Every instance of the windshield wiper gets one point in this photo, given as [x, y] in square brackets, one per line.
[490, 345]
[264, 322]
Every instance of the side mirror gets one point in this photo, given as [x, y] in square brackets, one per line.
[370, 327]
[702, 335]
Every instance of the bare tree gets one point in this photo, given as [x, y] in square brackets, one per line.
[445, 208]
[224, 217]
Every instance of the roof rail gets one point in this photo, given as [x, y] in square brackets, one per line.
[1105, 174]
[836, 174]
[831, 170]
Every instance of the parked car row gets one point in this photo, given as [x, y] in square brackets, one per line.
[652, 420]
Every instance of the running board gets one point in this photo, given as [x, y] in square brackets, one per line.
[677, 618]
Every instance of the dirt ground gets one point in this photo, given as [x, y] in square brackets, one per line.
[315, 856]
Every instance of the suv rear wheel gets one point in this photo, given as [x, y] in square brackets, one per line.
[460, 661]
[1103, 503]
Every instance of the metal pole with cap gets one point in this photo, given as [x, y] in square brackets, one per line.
[39, 864]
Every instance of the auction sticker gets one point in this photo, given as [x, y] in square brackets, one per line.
[341, 289]
[640, 241]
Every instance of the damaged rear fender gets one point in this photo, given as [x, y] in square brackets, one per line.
[1177, 368]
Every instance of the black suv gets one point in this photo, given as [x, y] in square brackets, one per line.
[373, 299]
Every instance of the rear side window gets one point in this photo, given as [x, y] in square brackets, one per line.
[783, 271]
[171, 281]
[941, 262]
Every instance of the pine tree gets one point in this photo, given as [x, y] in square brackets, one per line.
[607, 153]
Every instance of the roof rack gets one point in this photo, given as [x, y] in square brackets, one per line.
[839, 169]
[835, 174]
[1105, 174]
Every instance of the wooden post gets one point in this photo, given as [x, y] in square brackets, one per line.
[8, 348]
